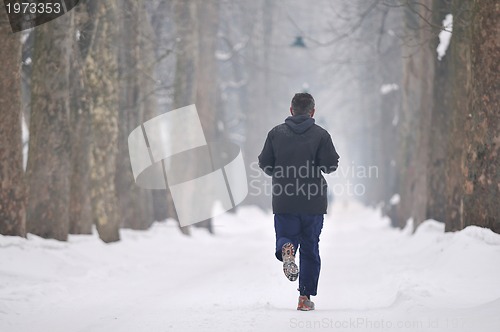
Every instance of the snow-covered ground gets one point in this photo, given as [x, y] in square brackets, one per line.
[373, 278]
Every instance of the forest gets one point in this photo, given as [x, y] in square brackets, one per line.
[409, 88]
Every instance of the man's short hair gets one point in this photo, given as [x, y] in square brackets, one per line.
[302, 103]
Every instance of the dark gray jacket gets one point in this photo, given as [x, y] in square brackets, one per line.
[295, 154]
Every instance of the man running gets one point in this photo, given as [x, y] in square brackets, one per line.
[295, 154]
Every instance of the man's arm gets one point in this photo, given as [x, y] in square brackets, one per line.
[327, 157]
[266, 157]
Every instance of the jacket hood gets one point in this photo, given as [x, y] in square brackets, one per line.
[299, 124]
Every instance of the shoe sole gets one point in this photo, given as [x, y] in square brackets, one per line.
[305, 309]
[290, 269]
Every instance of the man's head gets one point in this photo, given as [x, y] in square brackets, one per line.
[302, 104]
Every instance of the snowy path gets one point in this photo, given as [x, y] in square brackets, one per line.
[373, 278]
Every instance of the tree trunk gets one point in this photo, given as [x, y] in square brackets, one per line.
[80, 218]
[481, 164]
[206, 94]
[80, 211]
[134, 203]
[463, 145]
[439, 164]
[370, 108]
[148, 102]
[185, 83]
[12, 186]
[163, 25]
[259, 106]
[452, 102]
[49, 161]
[417, 96]
[101, 71]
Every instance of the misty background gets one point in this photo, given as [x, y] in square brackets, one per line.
[408, 90]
